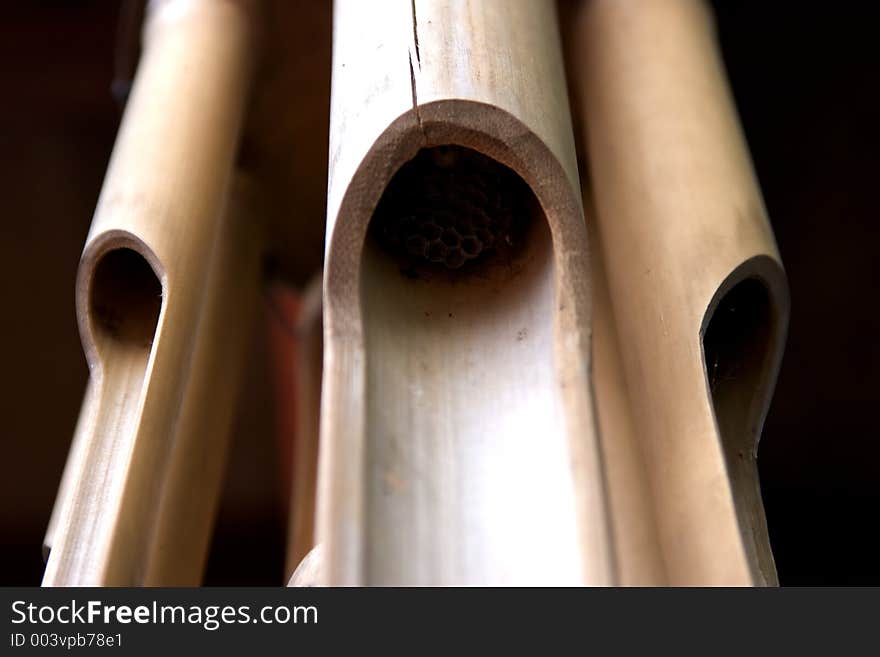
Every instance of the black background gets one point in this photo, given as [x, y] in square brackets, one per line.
[806, 80]
[806, 83]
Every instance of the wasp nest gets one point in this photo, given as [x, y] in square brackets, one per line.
[449, 206]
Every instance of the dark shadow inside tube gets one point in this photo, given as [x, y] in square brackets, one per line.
[453, 209]
[736, 343]
[126, 297]
[739, 346]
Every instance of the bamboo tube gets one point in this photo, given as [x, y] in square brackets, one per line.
[697, 288]
[309, 352]
[458, 443]
[74, 464]
[638, 556]
[158, 284]
[193, 477]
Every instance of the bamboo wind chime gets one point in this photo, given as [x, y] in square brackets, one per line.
[533, 373]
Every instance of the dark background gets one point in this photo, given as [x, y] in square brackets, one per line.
[806, 83]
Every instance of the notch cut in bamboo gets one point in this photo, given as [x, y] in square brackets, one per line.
[458, 439]
[167, 275]
[462, 405]
[695, 282]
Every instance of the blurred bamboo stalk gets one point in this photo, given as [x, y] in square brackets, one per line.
[698, 292]
[306, 409]
[163, 293]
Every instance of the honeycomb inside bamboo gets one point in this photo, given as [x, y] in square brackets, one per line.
[451, 207]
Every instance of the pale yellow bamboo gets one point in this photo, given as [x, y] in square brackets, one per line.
[458, 440]
[145, 316]
[681, 223]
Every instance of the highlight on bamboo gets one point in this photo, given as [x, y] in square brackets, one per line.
[530, 354]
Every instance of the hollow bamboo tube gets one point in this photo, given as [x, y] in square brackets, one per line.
[159, 278]
[458, 443]
[307, 409]
[694, 275]
[638, 557]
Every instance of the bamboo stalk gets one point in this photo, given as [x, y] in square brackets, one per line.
[457, 433]
[158, 284]
[307, 409]
[638, 556]
[698, 291]
[194, 468]
[74, 464]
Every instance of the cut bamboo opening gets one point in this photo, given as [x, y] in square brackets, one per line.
[469, 456]
[458, 438]
[743, 336]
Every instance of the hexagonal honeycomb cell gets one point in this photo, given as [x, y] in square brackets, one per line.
[450, 206]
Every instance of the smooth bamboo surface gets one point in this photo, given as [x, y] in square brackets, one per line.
[458, 439]
[638, 557]
[697, 289]
[163, 293]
